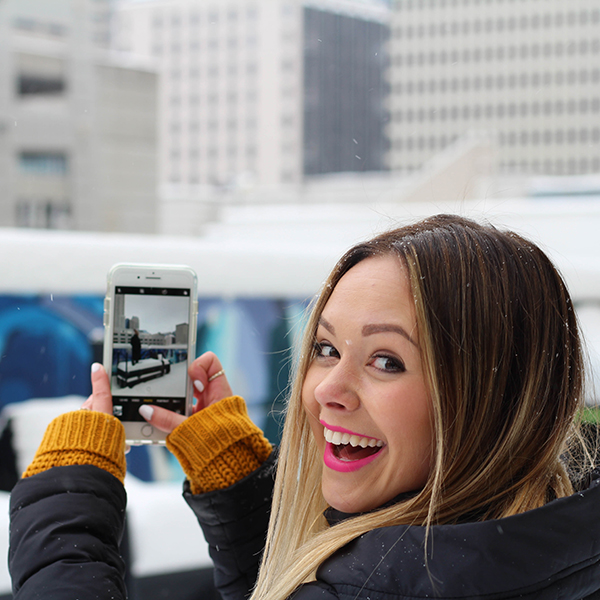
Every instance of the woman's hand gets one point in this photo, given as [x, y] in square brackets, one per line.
[210, 386]
[101, 398]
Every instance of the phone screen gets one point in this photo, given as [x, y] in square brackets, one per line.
[150, 349]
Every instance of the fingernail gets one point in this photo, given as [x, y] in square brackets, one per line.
[146, 411]
[96, 367]
[199, 385]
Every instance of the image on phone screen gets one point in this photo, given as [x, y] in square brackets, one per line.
[150, 349]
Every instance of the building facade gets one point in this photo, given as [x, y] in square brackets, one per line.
[526, 71]
[248, 87]
[77, 129]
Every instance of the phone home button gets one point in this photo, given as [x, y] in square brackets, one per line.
[147, 430]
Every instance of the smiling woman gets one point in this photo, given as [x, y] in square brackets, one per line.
[366, 384]
[430, 446]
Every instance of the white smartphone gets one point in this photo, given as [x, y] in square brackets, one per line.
[150, 316]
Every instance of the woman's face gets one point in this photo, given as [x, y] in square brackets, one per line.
[365, 394]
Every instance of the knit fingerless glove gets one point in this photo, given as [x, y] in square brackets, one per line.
[219, 445]
[82, 437]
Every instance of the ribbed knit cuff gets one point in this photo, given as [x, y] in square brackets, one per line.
[219, 445]
[82, 437]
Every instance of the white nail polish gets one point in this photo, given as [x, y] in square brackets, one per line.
[199, 385]
[96, 367]
[146, 411]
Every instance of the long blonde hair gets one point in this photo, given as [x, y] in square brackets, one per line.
[503, 363]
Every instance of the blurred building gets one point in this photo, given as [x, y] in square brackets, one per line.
[527, 71]
[263, 93]
[77, 130]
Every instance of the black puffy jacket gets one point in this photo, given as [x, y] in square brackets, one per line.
[66, 524]
[549, 553]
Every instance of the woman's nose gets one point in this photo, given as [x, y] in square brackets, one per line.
[338, 389]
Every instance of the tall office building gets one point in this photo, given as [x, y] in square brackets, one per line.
[526, 71]
[77, 130]
[263, 91]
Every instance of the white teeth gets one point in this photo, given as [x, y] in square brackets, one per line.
[337, 438]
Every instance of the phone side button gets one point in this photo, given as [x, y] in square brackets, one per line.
[147, 430]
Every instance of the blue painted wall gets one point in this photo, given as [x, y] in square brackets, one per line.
[47, 344]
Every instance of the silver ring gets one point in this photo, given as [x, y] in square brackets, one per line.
[85, 408]
[217, 374]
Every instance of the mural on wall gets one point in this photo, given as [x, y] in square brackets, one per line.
[47, 344]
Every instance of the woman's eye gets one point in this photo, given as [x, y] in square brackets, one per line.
[325, 350]
[388, 364]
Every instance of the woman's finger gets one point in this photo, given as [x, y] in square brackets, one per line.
[101, 398]
[210, 380]
[161, 418]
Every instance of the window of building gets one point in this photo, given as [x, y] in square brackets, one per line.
[43, 163]
[44, 214]
[40, 76]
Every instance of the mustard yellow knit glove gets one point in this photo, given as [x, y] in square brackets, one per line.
[218, 445]
[82, 437]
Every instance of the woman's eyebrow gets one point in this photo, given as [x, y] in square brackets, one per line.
[372, 329]
[327, 325]
[387, 327]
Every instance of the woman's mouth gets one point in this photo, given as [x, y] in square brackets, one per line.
[346, 451]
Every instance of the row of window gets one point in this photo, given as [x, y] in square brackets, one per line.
[41, 26]
[213, 125]
[213, 152]
[499, 53]
[513, 138]
[584, 135]
[583, 106]
[571, 166]
[213, 178]
[213, 99]
[401, 5]
[212, 45]
[214, 72]
[211, 18]
[500, 24]
[499, 82]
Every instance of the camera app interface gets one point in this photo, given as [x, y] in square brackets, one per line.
[150, 340]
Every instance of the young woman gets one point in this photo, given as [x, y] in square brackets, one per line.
[428, 448]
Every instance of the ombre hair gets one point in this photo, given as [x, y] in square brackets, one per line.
[503, 363]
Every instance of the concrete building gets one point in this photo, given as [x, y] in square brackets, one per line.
[526, 71]
[263, 92]
[77, 129]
